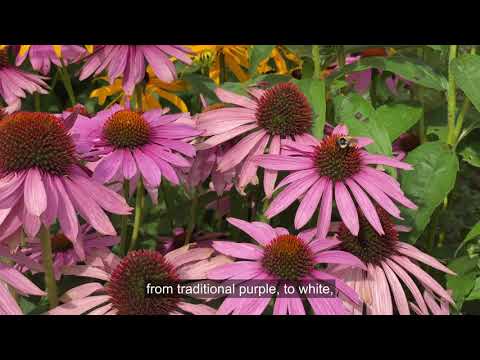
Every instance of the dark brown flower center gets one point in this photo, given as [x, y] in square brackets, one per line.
[129, 279]
[60, 243]
[337, 158]
[284, 110]
[287, 257]
[127, 129]
[3, 57]
[369, 246]
[35, 140]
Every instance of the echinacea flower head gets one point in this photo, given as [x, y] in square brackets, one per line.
[258, 123]
[133, 144]
[281, 257]
[335, 168]
[43, 56]
[41, 180]
[206, 161]
[126, 279]
[9, 276]
[391, 269]
[63, 253]
[129, 62]
[15, 83]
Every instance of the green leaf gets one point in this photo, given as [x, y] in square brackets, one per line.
[314, 90]
[362, 120]
[409, 68]
[462, 284]
[475, 293]
[257, 53]
[398, 118]
[470, 153]
[466, 70]
[433, 177]
[472, 234]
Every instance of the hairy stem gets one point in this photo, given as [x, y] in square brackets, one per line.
[124, 225]
[47, 261]
[138, 214]
[193, 216]
[451, 97]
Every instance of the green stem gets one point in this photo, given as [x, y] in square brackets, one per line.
[451, 97]
[465, 107]
[47, 260]
[373, 88]
[261, 216]
[68, 83]
[317, 66]
[139, 102]
[340, 56]
[221, 67]
[36, 98]
[168, 206]
[419, 95]
[193, 217]
[124, 225]
[138, 214]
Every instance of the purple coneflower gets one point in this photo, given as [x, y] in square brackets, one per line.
[280, 258]
[15, 83]
[133, 144]
[390, 266]
[323, 170]
[128, 61]
[42, 56]
[62, 249]
[258, 122]
[126, 279]
[436, 305]
[41, 180]
[16, 280]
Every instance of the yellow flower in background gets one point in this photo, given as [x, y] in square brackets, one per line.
[235, 59]
[280, 54]
[153, 88]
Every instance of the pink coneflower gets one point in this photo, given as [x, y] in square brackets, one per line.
[42, 56]
[259, 122]
[436, 305]
[124, 291]
[206, 161]
[335, 165]
[14, 83]
[281, 257]
[62, 249]
[15, 279]
[128, 61]
[134, 144]
[390, 264]
[41, 180]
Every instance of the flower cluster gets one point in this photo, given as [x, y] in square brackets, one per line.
[73, 185]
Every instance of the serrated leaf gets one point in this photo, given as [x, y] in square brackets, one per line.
[433, 177]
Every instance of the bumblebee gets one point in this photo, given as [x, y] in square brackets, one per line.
[346, 141]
